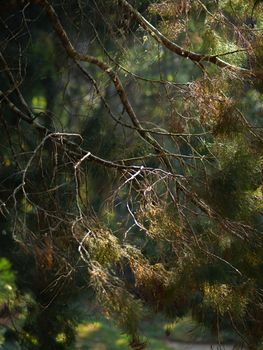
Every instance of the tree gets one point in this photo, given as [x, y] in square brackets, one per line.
[132, 162]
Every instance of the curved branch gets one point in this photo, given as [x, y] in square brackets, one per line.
[195, 57]
[76, 56]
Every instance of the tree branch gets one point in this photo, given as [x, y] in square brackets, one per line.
[195, 57]
[76, 56]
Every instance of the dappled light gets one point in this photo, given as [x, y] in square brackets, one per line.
[131, 174]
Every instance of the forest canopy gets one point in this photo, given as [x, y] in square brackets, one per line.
[131, 166]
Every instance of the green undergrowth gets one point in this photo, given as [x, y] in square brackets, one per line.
[103, 335]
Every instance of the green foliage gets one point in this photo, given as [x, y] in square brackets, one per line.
[103, 248]
[103, 334]
[232, 186]
[118, 303]
[224, 299]
[7, 282]
[131, 172]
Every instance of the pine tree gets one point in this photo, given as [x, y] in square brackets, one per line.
[131, 149]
